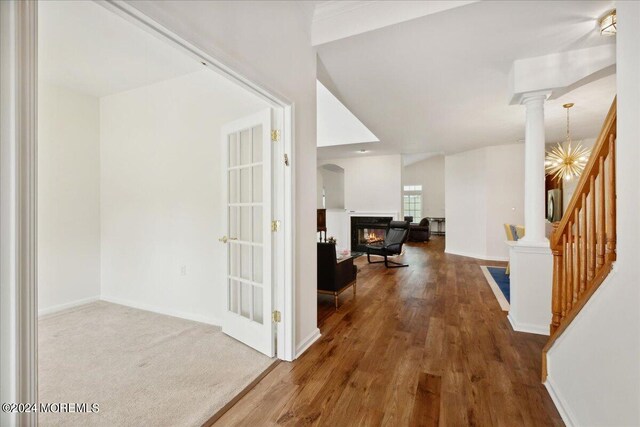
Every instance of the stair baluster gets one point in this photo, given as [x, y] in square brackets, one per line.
[584, 241]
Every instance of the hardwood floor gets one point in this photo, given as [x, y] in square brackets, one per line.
[424, 345]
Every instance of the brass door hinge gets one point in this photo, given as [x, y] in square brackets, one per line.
[275, 135]
[275, 225]
[276, 316]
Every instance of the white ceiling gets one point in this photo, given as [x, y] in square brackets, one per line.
[336, 124]
[88, 48]
[409, 159]
[334, 20]
[439, 83]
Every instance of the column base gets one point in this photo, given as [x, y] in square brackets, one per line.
[537, 243]
[531, 265]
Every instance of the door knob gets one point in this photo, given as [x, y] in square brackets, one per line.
[223, 239]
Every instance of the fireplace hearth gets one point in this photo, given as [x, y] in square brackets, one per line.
[366, 230]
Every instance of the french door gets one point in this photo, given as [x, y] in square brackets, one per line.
[248, 241]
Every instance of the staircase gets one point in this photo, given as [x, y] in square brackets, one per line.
[584, 241]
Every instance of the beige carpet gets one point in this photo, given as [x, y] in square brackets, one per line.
[142, 368]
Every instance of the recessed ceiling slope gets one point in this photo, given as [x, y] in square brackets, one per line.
[334, 20]
[410, 159]
[85, 47]
[440, 83]
[336, 124]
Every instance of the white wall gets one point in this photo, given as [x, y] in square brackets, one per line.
[466, 203]
[161, 195]
[270, 43]
[505, 194]
[339, 227]
[333, 183]
[594, 368]
[483, 190]
[430, 174]
[371, 184]
[68, 198]
[319, 187]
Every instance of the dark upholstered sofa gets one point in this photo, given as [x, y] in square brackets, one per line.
[420, 232]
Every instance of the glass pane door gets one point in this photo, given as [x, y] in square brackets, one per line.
[248, 286]
[245, 214]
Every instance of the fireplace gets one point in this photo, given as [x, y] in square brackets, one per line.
[366, 230]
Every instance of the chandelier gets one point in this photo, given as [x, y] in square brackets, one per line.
[609, 24]
[566, 162]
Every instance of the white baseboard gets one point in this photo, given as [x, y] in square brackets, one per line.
[561, 404]
[174, 313]
[529, 328]
[484, 257]
[60, 307]
[307, 342]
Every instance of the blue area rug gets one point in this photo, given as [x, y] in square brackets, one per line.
[498, 274]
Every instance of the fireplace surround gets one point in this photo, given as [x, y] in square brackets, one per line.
[367, 230]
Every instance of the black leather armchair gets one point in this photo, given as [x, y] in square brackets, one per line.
[397, 234]
[420, 232]
[334, 277]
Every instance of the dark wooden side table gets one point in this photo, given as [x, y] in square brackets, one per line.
[440, 221]
[351, 255]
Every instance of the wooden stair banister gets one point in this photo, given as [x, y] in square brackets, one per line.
[583, 243]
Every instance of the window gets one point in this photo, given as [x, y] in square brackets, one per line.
[412, 201]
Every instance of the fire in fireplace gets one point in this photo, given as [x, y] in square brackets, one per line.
[370, 236]
[367, 230]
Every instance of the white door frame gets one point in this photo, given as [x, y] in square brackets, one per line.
[18, 207]
[18, 185]
[284, 270]
[284, 300]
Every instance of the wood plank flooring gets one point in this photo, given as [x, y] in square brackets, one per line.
[425, 345]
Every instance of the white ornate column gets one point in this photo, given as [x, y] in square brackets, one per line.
[531, 259]
[534, 185]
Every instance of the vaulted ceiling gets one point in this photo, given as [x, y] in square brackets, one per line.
[439, 83]
[336, 124]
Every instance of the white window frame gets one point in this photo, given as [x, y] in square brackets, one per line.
[412, 190]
